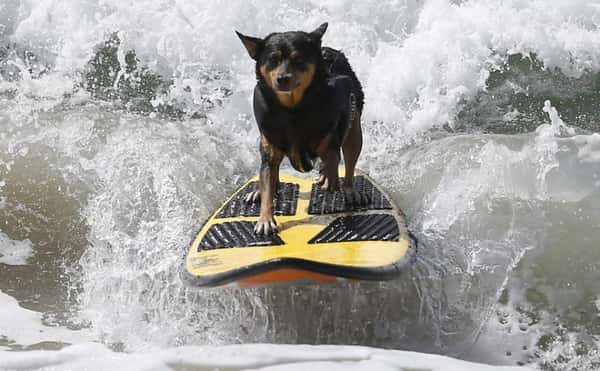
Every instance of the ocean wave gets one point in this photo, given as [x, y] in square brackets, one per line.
[421, 63]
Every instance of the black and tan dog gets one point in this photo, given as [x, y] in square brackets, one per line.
[307, 103]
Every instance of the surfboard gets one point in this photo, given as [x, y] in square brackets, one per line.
[322, 238]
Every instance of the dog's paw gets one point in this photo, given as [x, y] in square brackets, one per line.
[321, 179]
[252, 197]
[354, 197]
[266, 226]
[330, 184]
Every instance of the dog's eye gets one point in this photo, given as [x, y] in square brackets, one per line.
[274, 58]
[298, 60]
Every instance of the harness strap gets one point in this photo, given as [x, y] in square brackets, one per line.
[352, 112]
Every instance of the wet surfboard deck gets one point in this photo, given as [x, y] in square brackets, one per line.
[322, 238]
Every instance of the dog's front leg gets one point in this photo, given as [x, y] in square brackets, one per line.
[267, 183]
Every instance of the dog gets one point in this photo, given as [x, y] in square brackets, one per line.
[307, 104]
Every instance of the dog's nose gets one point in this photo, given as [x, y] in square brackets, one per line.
[284, 79]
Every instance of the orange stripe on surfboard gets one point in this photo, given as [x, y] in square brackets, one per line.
[286, 275]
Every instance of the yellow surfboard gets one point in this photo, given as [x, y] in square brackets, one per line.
[322, 238]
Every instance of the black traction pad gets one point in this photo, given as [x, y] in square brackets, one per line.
[322, 202]
[285, 202]
[235, 234]
[371, 227]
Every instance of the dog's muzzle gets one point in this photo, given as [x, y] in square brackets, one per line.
[285, 83]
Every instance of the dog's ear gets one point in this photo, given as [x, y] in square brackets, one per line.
[252, 44]
[317, 34]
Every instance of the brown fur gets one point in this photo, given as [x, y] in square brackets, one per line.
[268, 180]
[291, 98]
[267, 76]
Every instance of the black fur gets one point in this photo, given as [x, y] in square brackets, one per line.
[325, 106]
[307, 104]
[336, 64]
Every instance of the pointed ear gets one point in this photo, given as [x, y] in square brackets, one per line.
[252, 44]
[319, 32]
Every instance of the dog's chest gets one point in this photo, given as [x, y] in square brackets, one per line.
[307, 130]
[298, 128]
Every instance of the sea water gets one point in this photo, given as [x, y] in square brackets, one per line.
[123, 124]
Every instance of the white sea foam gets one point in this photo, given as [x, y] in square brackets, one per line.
[418, 60]
[241, 357]
[589, 147]
[24, 327]
[14, 252]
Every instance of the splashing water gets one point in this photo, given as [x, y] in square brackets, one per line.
[124, 124]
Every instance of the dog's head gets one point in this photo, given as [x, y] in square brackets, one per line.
[286, 62]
